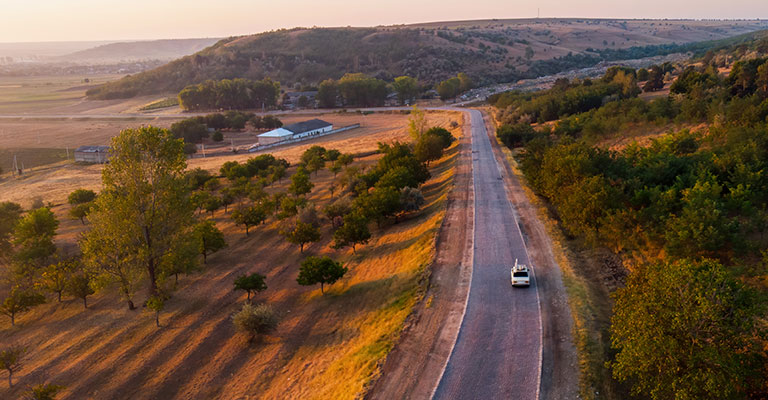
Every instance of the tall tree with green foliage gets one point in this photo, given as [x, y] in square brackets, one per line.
[145, 203]
[322, 270]
[209, 239]
[55, 276]
[33, 238]
[685, 330]
[407, 89]
[9, 215]
[249, 216]
[80, 285]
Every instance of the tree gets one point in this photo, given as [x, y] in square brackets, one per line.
[44, 391]
[407, 88]
[190, 130]
[9, 216]
[249, 216]
[446, 138]
[209, 238]
[81, 196]
[301, 234]
[217, 136]
[327, 94]
[322, 270]
[80, 286]
[336, 211]
[55, 276]
[145, 203]
[685, 330]
[156, 303]
[10, 360]
[33, 237]
[417, 123]
[300, 183]
[251, 283]
[411, 199]
[255, 320]
[315, 164]
[379, 203]
[18, 301]
[429, 148]
[80, 211]
[353, 231]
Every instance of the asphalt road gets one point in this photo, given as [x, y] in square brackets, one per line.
[498, 351]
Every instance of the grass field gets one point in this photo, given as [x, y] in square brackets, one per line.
[40, 93]
[326, 346]
[31, 157]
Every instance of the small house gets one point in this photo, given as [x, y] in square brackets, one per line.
[92, 154]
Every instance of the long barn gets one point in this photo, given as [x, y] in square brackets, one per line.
[295, 131]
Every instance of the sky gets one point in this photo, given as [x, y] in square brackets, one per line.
[70, 20]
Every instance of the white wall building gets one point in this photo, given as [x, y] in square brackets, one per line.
[295, 131]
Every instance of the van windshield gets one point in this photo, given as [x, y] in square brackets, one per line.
[520, 275]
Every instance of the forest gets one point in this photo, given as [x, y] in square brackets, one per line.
[687, 212]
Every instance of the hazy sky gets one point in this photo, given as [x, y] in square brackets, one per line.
[54, 20]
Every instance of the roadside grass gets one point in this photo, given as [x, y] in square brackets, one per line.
[588, 299]
[163, 103]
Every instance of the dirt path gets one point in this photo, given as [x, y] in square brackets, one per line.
[560, 366]
[414, 366]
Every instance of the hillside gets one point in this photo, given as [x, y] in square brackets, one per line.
[489, 51]
[144, 50]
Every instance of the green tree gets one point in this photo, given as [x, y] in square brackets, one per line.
[80, 211]
[156, 303]
[251, 283]
[417, 123]
[429, 148]
[411, 199]
[33, 237]
[80, 285]
[327, 94]
[190, 130]
[322, 270]
[10, 360]
[685, 330]
[353, 231]
[18, 301]
[300, 183]
[209, 238]
[56, 275]
[145, 203]
[301, 234]
[81, 196]
[249, 216]
[315, 164]
[407, 88]
[47, 391]
[9, 216]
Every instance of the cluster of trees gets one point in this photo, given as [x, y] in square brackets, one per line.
[451, 88]
[685, 326]
[194, 130]
[565, 98]
[356, 89]
[230, 94]
[142, 228]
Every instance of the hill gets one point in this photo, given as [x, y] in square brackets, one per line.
[490, 51]
[169, 49]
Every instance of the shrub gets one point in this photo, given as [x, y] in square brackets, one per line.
[255, 320]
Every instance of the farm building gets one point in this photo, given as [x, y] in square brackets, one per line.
[92, 154]
[295, 131]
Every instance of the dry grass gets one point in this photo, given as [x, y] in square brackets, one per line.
[326, 346]
[42, 93]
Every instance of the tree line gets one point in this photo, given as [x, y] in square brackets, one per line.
[690, 208]
[230, 94]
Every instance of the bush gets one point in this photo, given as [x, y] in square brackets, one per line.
[217, 136]
[255, 320]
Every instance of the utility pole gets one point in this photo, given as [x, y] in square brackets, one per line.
[203, 144]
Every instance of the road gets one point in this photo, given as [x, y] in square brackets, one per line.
[498, 351]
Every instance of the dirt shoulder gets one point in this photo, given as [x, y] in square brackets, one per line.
[560, 362]
[414, 366]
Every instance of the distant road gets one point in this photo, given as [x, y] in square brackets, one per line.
[498, 352]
